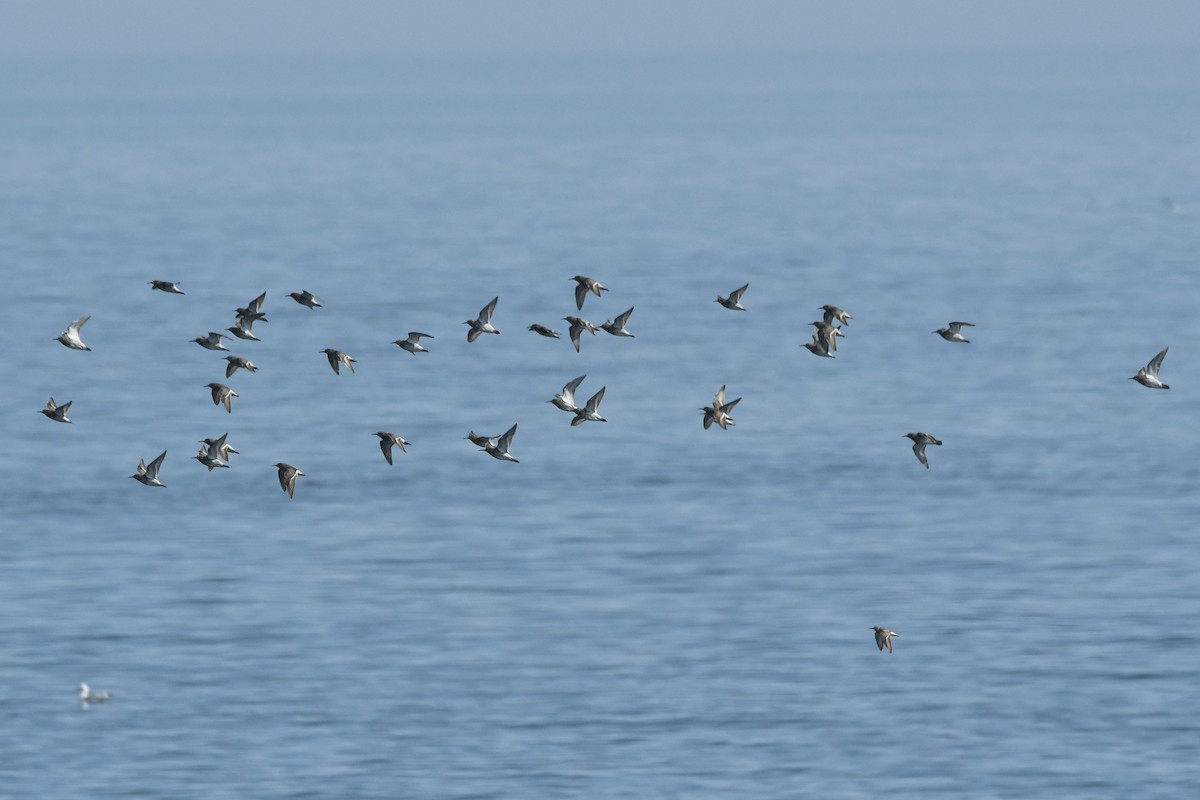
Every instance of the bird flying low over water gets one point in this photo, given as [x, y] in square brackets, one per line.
[586, 285]
[590, 411]
[481, 441]
[953, 332]
[211, 342]
[55, 412]
[170, 287]
[566, 398]
[387, 441]
[482, 323]
[243, 330]
[578, 326]
[822, 344]
[148, 475]
[236, 362]
[833, 312]
[1148, 375]
[210, 459]
[413, 343]
[883, 637]
[287, 477]
[219, 447]
[734, 301]
[718, 412]
[617, 326]
[500, 448]
[544, 331]
[826, 334]
[222, 394]
[306, 298]
[70, 337]
[252, 312]
[337, 358]
[919, 442]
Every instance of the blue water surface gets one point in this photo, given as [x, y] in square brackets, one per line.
[640, 608]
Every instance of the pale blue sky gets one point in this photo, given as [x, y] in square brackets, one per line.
[478, 26]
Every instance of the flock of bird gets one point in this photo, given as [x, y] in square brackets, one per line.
[214, 453]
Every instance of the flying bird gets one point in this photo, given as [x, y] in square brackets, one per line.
[337, 358]
[306, 298]
[287, 477]
[1148, 375]
[590, 411]
[586, 285]
[481, 441]
[833, 312]
[413, 343]
[718, 412]
[209, 459]
[566, 398]
[953, 332]
[170, 287]
[222, 394]
[148, 475]
[243, 330]
[212, 341]
[219, 447]
[252, 312]
[883, 637]
[617, 326]
[70, 337]
[543, 330]
[482, 323]
[919, 442]
[578, 326]
[501, 447]
[237, 362]
[734, 301]
[55, 412]
[821, 345]
[387, 441]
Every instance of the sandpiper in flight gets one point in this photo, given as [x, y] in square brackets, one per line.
[543, 330]
[482, 323]
[833, 312]
[337, 358]
[287, 477]
[566, 398]
[388, 440]
[578, 326]
[883, 637]
[55, 412]
[70, 337]
[501, 447]
[617, 326]
[1148, 375]
[734, 301]
[148, 475]
[306, 298]
[953, 332]
[211, 342]
[586, 285]
[590, 411]
[413, 343]
[222, 394]
[919, 442]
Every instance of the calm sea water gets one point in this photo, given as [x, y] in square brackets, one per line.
[640, 608]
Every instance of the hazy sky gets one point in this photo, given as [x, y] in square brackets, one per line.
[321, 26]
